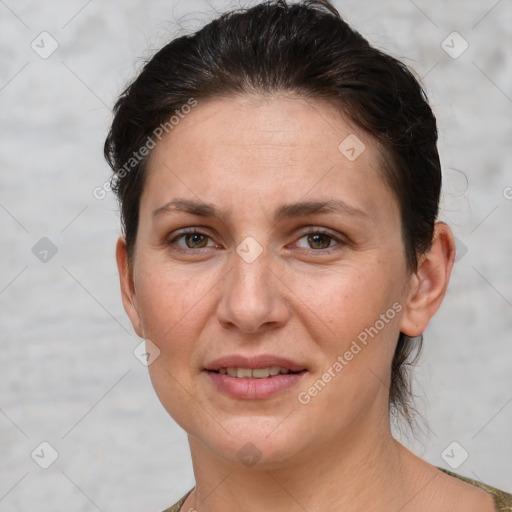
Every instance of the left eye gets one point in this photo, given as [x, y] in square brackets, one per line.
[318, 240]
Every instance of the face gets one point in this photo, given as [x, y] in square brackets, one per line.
[235, 256]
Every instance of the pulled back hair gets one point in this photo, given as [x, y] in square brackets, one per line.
[307, 49]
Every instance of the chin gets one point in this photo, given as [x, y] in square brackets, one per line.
[257, 442]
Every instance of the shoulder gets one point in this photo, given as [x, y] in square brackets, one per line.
[177, 506]
[502, 499]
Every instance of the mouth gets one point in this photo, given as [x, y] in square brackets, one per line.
[254, 373]
[255, 378]
[254, 366]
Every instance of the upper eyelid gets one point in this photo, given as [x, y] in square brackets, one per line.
[310, 228]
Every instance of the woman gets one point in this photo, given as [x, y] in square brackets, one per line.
[279, 185]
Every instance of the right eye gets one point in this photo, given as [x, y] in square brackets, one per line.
[192, 238]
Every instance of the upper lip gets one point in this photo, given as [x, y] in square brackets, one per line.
[261, 361]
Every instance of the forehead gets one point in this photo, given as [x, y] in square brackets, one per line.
[287, 124]
[279, 148]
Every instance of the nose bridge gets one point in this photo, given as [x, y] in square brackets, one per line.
[252, 296]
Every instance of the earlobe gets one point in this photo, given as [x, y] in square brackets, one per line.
[128, 294]
[429, 283]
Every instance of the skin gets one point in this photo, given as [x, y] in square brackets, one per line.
[249, 155]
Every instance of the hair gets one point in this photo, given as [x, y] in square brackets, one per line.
[306, 49]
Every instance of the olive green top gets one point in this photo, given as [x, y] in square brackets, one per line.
[502, 500]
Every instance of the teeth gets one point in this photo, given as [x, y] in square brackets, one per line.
[259, 373]
[244, 373]
[256, 373]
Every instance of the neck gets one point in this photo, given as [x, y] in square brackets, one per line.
[358, 471]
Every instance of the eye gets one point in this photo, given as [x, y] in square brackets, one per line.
[319, 241]
[192, 239]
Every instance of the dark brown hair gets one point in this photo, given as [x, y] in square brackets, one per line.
[309, 50]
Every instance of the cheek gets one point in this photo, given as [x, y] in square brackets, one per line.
[359, 314]
[349, 299]
[172, 304]
[173, 309]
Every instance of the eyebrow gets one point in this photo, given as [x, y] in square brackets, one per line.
[287, 211]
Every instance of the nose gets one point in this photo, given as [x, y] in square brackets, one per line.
[254, 297]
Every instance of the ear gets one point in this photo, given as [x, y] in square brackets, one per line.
[127, 286]
[428, 284]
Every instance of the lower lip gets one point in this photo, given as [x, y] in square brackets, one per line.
[255, 389]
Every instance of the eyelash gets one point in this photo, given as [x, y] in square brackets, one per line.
[318, 231]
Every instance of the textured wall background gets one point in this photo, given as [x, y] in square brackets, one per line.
[68, 374]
